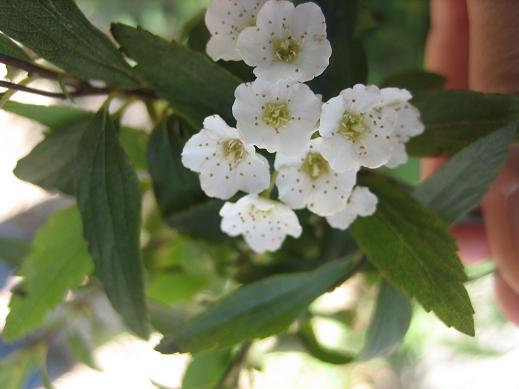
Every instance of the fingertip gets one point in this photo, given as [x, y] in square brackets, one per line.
[473, 245]
[430, 165]
[507, 299]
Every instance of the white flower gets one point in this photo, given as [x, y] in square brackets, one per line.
[307, 180]
[278, 117]
[225, 19]
[408, 122]
[224, 162]
[263, 223]
[356, 130]
[361, 203]
[288, 43]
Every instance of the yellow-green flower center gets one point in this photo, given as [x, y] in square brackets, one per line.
[258, 215]
[286, 50]
[276, 115]
[353, 126]
[315, 165]
[234, 150]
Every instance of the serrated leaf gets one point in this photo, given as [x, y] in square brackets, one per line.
[257, 310]
[11, 49]
[57, 262]
[389, 323]
[110, 204]
[412, 249]
[60, 33]
[454, 119]
[195, 86]
[461, 183]
[81, 350]
[206, 370]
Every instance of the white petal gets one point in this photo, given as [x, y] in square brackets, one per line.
[254, 48]
[218, 179]
[314, 59]
[330, 192]
[275, 71]
[342, 220]
[373, 152]
[274, 16]
[293, 140]
[253, 174]
[395, 95]
[398, 156]
[198, 149]
[362, 98]
[363, 201]
[220, 47]
[331, 116]
[219, 127]
[308, 21]
[340, 153]
[293, 187]
[409, 123]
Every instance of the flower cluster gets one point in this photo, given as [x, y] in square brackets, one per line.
[319, 147]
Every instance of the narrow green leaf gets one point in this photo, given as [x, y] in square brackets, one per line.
[57, 116]
[348, 64]
[206, 370]
[11, 49]
[257, 310]
[57, 262]
[60, 33]
[110, 204]
[13, 251]
[412, 248]
[454, 119]
[415, 81]
[195, 86]
[461, 183]
[173, 288]
[16, 368]
[81, 350]
[389, 324]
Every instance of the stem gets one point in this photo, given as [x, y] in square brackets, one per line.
[80, 88]
[268, 192]
[11, 92]
[124, 107]
[236, 364]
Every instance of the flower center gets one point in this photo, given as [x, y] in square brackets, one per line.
[276, 115]
[234, 150]
[315, 165]
[286, 50]
[353, 126]
[257, 215]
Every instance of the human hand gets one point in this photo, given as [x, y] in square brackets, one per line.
[473, 43]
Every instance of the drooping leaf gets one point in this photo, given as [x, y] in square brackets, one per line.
[110, 204]
[256, 310]
[415, 81]
[412, 249]
[454, 119]
[60, 33]
[173, 288]
[461, 183]
[195, 86]
[16, 368]
[57, 262]
[348, 64]
[389, 323]
[11, 49]
[12, 251]
[206, 370]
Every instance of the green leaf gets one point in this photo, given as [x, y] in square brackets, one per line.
[310, 342]
[11, 49]
[389, 324]
[257, 310]
[57, 262]
[13, 251]
[461, 183]
[348, 64]
[174, 288]
[201, 220]
[16, 368]
[81, 350]
[55, 117]
[51, 164]
[60, 33]
[110, 204]
[415, 81]
[42, 167]
[195, 86]
[206, 370]
[454, 119]
[412, 248]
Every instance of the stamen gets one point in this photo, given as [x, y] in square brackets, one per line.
[315, 165]
[276, 115]
[286, 50]
[353, 127]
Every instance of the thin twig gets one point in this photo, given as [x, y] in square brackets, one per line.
[236, 363]
[31, 68]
